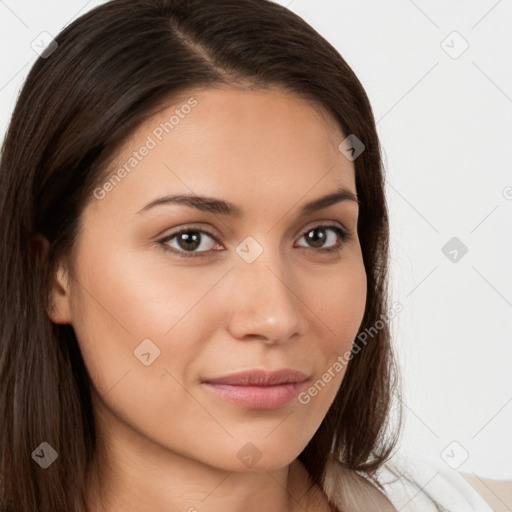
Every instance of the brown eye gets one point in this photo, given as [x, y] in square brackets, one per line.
[324, 237]
[187, 242]
[316, 237]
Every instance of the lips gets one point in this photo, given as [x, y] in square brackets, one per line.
[260, 378]
[258, 389]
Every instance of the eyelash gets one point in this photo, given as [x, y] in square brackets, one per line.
[342, 234]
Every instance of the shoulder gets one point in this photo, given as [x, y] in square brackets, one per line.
[414, 485]
[410, 484]
[498, 493]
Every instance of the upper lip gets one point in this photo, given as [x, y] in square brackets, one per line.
[260, 377]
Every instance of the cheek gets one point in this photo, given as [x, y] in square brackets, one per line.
[138, 333]
[338, 308]
[344, 302]
[121, 297]
[339, 299]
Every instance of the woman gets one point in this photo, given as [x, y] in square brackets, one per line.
[194, 240]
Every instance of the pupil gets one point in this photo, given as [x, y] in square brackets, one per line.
[189, 240]
[317, 241]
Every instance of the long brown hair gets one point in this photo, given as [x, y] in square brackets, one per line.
[111, 69]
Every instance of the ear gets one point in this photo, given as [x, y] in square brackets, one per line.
[60, 296]
[59, 290]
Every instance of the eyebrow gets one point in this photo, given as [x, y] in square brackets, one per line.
[219, 206]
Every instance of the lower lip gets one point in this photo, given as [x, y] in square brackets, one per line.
[258, 397]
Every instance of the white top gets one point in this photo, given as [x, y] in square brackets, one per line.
[444, 485]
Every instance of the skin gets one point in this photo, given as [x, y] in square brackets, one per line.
[166, 440]
[497, 493]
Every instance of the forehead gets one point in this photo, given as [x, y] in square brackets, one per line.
[271, 116]
[238, 140]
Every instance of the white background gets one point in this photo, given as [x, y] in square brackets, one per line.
[446, 128]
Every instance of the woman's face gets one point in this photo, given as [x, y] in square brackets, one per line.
[160, 318]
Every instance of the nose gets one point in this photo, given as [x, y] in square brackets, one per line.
[265, 303]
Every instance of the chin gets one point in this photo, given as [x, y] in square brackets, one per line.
[255, 457]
